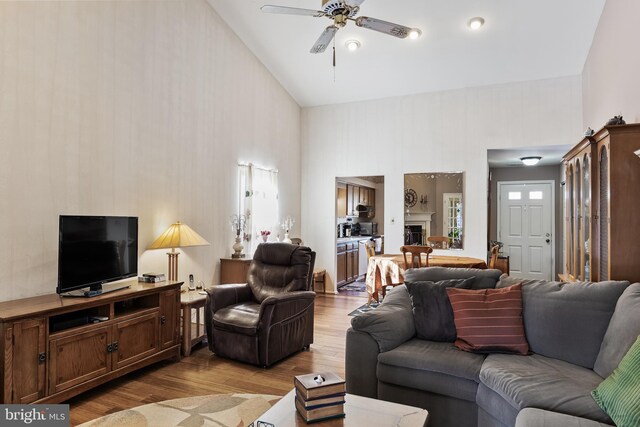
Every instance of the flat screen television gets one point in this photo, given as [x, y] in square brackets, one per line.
[94, 250]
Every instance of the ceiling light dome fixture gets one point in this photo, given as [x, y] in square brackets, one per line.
[352, 45]
[475, 23]
[415, 33]
[530, 160]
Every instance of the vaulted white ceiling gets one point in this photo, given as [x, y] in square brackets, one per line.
[521, 40]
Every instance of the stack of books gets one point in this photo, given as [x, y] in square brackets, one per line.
[152, 277]
[320, 396]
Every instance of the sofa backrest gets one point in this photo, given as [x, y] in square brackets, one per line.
[622, 332]
[567, 321]
[485, 279]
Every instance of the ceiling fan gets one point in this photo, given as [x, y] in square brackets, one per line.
[342, 11]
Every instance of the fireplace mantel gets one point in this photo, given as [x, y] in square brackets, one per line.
[420, 218]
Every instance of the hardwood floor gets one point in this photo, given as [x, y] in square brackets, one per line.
[203, 373]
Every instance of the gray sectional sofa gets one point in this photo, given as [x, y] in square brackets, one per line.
[577, 333]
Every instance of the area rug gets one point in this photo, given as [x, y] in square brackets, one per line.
[363, 309]
[360, 286]
[222, 410]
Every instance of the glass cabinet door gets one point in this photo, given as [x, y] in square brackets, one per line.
[603, 224]
[570, 219]
[577, 234]
[586, 215]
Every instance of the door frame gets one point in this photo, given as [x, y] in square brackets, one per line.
[552, 182]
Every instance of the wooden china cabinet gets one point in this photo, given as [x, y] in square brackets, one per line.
[602, 205]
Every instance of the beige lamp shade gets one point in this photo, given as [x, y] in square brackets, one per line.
[178, 235]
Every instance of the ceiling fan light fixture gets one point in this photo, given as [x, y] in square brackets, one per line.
[476, 23]
[415, 33]
[352, 45]
[530, 160]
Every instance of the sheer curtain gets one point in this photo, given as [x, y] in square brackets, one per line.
[258, 201]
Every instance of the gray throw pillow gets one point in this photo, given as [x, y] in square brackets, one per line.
[432, 312]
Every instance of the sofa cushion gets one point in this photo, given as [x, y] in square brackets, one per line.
[391, 323]
[484, 279]
[622, 332]
[619, 394]
[240, 318]
[432, 313]
[567, 321]
[532, 417]
[435, 367]
[489, 320]
[541, 382]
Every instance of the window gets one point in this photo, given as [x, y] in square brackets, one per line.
[515, 195]
[258, 202]
[535, 195]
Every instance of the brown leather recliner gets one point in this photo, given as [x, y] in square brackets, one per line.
[271, 316]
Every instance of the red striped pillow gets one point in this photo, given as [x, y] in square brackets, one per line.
[489, 320]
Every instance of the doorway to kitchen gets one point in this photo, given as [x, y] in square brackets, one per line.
[359, 226]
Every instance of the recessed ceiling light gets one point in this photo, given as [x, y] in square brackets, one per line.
[476, 23]
[352, 45]
[415, 33]
[531, 160]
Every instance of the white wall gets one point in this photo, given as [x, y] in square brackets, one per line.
[445, 131]
[610, 79]
[130, 108]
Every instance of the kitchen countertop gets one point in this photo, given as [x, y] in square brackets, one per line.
[352, 239]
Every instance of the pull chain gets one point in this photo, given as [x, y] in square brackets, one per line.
[334, 60]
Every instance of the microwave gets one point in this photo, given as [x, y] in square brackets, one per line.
[368, 228]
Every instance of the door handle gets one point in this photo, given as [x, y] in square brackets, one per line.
[548, 240]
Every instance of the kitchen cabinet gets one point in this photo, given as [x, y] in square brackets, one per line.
[357, 195]
[348, 258]
[601, 236]
[341, 200]
[341, 272]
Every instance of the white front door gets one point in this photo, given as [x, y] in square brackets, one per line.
[525, 227]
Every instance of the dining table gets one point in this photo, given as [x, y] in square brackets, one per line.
[388, 269]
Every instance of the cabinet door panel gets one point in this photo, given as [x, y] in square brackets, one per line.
[169, 318]
[79, 358]
[341, 272]
[25, 366]
[136, 339]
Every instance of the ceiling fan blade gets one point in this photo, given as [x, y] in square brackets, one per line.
[291, 11]
[325, 39]
[385, 27]
[354, 3]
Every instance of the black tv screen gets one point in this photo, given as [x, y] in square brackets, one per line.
[96, 249]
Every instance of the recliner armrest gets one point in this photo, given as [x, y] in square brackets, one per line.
[277, 308]
[221, 296]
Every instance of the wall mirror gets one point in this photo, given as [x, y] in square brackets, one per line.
[433, 213]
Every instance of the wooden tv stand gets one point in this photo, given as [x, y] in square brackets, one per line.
[52, 351]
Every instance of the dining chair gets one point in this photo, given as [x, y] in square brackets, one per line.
[371, 249]
[438, 242]
[415, 252]
[493, 258]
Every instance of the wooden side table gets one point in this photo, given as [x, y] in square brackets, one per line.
[234, 270]
[319, 281]
[192, 333]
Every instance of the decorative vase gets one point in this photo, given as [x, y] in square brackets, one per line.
[286, 238]
[265, 238]
[237, 247]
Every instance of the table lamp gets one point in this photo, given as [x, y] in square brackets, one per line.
[178, 235]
